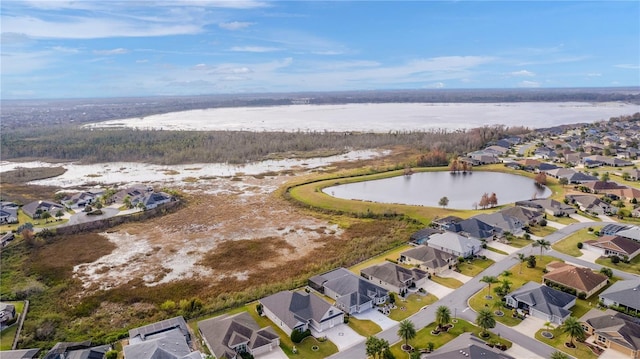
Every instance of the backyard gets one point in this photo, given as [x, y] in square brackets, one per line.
[632, 267]
[569, 245]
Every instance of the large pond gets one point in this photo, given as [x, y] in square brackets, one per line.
[426, 189]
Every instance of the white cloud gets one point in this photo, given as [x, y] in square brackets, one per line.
[528, 84]
[628, 66]
[118, 51]
[253, 49]
[594, 74]
[235, 25]
[66, 50]
[142, 61]
[524, 73]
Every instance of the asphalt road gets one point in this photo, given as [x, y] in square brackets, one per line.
[81, 217]
[457, 301]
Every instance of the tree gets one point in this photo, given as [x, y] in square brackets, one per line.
[543, 244]
[604, 177]
[59, 214]
[541, 179]
[564, 181]
[376, 346]
[493, 200]
[606, 271]
[522, 258]
[444, 201]
[407, 331]
[443, 316]
[45, 216]
[489, 279]
[506, 273]
[98, 205]
[485, 320]
[484, 201]
[558, 355]
[575, 330]
[531, 261]
[127, 202]
[141, 206]
[111, 354]
[505, 286]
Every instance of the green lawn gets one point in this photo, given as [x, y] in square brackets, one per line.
[581, 351]
[562, 220]
[590, 216]
[569, 244]
[6, 337]
[424, 336]
[447, 282]
[325, 349]
[632, 267]
[411, 306]
[366, 328]
[393, 254]
[541, 231]
[474, 267]
[519, 242]
[497, 251]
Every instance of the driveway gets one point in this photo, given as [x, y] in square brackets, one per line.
[530, 326]
[276, 353]
[342, 336]
[606, 218]
[589, 256]
[519, 352]
[375, 316]
[453, 274]
[81, 217]
[497, 257]
[503, 247]
[436, 289]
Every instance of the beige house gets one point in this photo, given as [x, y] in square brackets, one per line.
[431, 260]
[582, 280]
[613, 330]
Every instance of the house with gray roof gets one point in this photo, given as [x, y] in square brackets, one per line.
[227, 336]
[429, 259]
[152, 199]
[542, 302]
[612, 228]
[36, 208]
[77, 350]
[7, 314]
[624, 294]
[504, 222]
[550, 206]
[352, 293]
[475, 228]
[527, 216]
[395, 278]
[633, 232]
[609, 246]
[467, 345]
[592, 204]
[455, 244]
[301, 311]
[166, 339]
[613, 330]
[421, 236]
[8, 212]
[20, 354]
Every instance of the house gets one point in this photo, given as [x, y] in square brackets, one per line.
[504, 222]
[6, 238]
[445, 222]
[21, 354]
[526, 216]
[80, 350]
[634, 174]
[633, 232]
[609, 246]
[167, 339]
[227, 336]
[612, 228]
[469, 346]
[7, 314]
[81, 199]
[609, 161]
[37, 208]
[132, 193]
[483, 157]
[430, 260]
[8, 212]
[301, 311]
[152, 199]
[592, 204]
[550, 206]
[352, 293]
[575, 279]
[455, 244]
[421, 236]
[636, 212]
[623, 294]
[395, 278]
[580, 177]
[529, 164]
[542, 302]
[613, 330]
[603, 187]
[475, 228]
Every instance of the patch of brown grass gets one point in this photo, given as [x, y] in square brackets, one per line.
[245, 253]
[24, 175]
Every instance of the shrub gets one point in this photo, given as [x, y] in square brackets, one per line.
[582, 295]
[297, 336]
[111, 354]
[543, 223]
[579, 245]
[615, 259]
[259, 309]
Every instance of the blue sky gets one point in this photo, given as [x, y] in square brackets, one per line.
[66, 49]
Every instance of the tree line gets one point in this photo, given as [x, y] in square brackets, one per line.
[236, 147]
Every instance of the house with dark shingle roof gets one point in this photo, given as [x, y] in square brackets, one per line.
[542, 302]
[592, 204]
[36, 208]
[614, 246]
[301, 311]
[475, 228]
[624, 294]
[613, 330]
[421, 236]
[468, 346]
[227, 336]
[166, 339]
[395, 278]
[352, 293]
[632, 232]
[525, 215]
[582, 280]
[455, 244]
[550, 206]
[77, 350]
[20, 354]
[431, 260]
[503, 221]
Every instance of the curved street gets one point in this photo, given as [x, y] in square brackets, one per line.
[457, 300]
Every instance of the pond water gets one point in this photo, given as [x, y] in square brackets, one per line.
[426, 189]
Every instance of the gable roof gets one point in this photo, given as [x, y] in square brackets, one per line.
[525, 215]
[295, 307]
[168, 344]
[544, 299]
[632, 232]
[475, 228]
[20, 354]
[454, 242]
[226, 331]
[31, 208]
[582, 279]
[431, 257]
[616, 243]
[501, 220]
[471, 346]
[624, 292]
[614, 326]
[141, 333]
[423, 233]
[394, 274]
[353, 289]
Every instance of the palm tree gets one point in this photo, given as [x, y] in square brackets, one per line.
[506, 273]
[575, 330]
[543, 244]
[489, 279]
[558, 355]
[485, 320]
[498, 305]
[407, 331]
[522, 258]
[373, 346]
[443, 316]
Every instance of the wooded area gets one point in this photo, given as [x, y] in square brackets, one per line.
[176, 147]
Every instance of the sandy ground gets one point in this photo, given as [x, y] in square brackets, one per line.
[381, 117]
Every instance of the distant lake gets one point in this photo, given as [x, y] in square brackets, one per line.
[426, 189]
